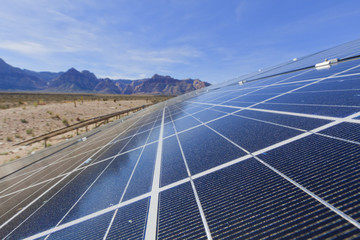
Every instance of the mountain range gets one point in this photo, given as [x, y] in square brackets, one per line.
[73, 81]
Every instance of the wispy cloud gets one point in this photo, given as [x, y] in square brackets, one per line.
[24, 47]
[168, 55]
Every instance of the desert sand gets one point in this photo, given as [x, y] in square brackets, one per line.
[21, 123]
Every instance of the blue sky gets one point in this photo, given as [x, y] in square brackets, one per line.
[214, 40]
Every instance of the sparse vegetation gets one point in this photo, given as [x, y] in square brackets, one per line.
[29, 131]
[56, 117]
[65, 122]
[25, 121]
[14, 158]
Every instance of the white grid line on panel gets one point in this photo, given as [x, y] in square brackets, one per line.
[201, 210]
[279, 112]
[129, 180]
[348, 75]
[286, 126]
[153, 214]
[300, 104]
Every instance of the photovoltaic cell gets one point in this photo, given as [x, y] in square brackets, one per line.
[339, 98]
[172, 164]
[179, 217]
[94, 228]
[349, 131]
[286, 120]
[331, 111]
[336, 83]
[208, 151]
[129, 222]
[250, 134]
[107, 190]
[208, 115]
[185, 123]
[141, 180]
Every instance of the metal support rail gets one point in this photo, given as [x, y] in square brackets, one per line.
[76, 126]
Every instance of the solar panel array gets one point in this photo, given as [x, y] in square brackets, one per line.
[275, 157]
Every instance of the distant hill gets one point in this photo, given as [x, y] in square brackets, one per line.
[12, 78]
[16, 79]
[163, 85]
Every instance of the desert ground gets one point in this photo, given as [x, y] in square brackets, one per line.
[24, 117]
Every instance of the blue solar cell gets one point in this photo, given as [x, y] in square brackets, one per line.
[325, 166]
[225, 109]
[287, 120]
[333, 84]
[316, 110]
[137, 141]
[185, 123]
[238, 104]
[179, 217]
[94, 228]
[351, 64]
[249, 201]
[108, 188]
[154, 135]
[250, 134]
[129, 222]
[146, 127]
[227, 96]
[172, 163]
[142, 179]
[349, 131]
[188, 108]
[339, 98]
[254, 98]
[169, 129]
[205, 149]
[208, 115]
[111, 150]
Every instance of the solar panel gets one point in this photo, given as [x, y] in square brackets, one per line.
[273, 154]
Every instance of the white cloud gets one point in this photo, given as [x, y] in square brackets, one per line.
[240, 10]
[168, 55]
[25, 47]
